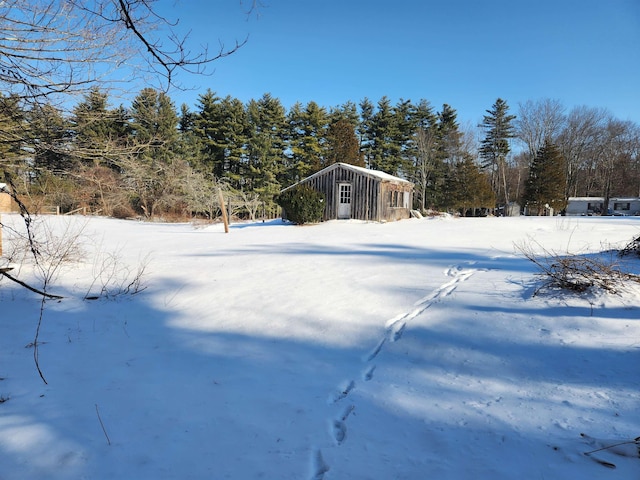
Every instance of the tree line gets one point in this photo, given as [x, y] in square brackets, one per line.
[151, 159]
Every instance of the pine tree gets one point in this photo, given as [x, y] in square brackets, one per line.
[342, 144]
[190, 144]
[12, 133]
[365, 131]
[468, 188]
[90, 117]
[307, 139]
[265, 149]
[152, 172]
[546, 182]
[49, 131]
[444, 140]
[405, 124]
[222, 126]
[384, 150]
[449, 136]
[498, 127]
[154, 122]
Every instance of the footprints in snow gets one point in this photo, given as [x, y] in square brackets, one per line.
[394, 330]
[368, 374]
[319, 467]
[393, 334]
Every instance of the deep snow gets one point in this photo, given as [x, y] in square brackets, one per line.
[345, 350]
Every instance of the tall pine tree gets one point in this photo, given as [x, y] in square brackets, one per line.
[498, 127]
[307, 139]
[546, 182]
[265, 148]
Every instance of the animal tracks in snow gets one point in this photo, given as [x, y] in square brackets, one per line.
[343, 392]
[394, 330]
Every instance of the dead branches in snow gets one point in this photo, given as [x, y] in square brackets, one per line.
[579, 273]
[632, 248]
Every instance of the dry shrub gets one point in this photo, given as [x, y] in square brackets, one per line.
[579, 273]
[632, 248]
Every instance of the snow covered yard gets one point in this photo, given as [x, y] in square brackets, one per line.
[344, 350]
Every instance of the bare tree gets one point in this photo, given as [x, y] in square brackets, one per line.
[614, 153]
[577, 139]
[426, 161]
[48, 47]
[538, 122]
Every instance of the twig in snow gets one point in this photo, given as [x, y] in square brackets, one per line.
[29, 287]
[104, 430]
[635, 441]
[36, 355]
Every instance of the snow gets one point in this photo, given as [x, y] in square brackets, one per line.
[407, 350]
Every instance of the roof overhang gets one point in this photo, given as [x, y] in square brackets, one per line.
[376, 174]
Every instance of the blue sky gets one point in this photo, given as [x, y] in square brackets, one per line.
[466, 53]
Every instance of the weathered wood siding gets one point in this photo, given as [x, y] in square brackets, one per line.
[397, 200]
[365, 203]
[373, 196]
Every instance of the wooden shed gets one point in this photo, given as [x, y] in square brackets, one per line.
[360, 193]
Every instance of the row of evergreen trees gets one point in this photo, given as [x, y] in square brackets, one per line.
[150, 159]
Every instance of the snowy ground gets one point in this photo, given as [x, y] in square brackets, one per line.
[345, 350]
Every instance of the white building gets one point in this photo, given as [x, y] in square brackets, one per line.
[595, 206]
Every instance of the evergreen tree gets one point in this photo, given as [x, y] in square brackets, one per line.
[546, 182]
[449, 136]
[222, 126]
[265, 149]
[443, 141]
[13, 137]
[154, 124]
[347, 111]
[498, 127]
[49, 133]
[152, 172]
[342, 144]
[406, 121]
[468, 188]
[96, 129]
[385, 149]
[190, 145]
[365, 130]
[307, 139]
[208, 128]
[234, 136]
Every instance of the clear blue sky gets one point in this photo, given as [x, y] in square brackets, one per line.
[466, 53]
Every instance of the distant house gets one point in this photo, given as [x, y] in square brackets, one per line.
[595, 206]
[360, 193]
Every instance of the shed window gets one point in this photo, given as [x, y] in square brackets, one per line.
[622, 206]
[396, 199]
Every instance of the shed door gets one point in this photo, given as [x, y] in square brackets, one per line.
[344, 200]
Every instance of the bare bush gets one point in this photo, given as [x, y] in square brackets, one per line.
[632, 248]
[45, 249]
[113, 278]
[579, 273]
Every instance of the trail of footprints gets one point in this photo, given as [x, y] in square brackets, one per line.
[393, 332]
